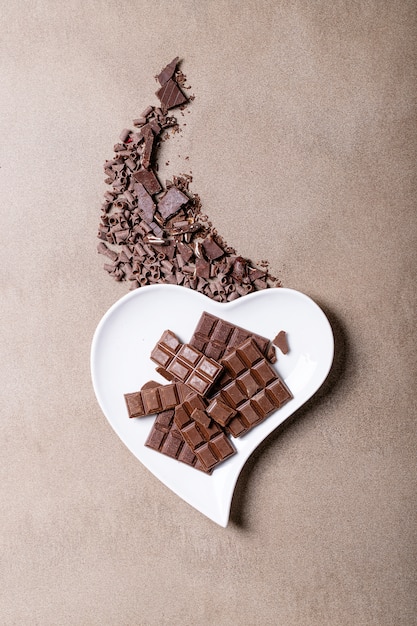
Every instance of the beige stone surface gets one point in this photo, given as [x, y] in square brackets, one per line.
[302, 145]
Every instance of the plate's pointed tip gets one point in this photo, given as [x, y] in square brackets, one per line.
[221, 517]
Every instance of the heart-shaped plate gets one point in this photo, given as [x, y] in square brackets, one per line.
[120, 364]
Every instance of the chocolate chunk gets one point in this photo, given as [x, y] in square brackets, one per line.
[202, 268]
[251, 387]
[239, 271]
[185, 251]
[171, 203]
[165, 437]
[212, 249]
[185, 363]
[206, 439]
[168, 71]
[146, 205]
[147, 150]
[149, 180]
[280, 341]
[170, 95]
[219, 411]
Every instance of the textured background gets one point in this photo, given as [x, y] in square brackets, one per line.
[302, 144]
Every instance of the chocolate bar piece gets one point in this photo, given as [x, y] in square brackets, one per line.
[170, 95]
[171, 202]
[214, 337]
[166, 438]
[154, 398]
[185, 363]
[149, 180]
[168, 71]
[281, 342]
[250, 386]
[206, 439]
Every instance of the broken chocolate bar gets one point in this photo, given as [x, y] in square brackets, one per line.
[186, 364]
[215, 337]
[155, 398]
[206, 439]
[281, 342]
[250, 386]
[165, 437]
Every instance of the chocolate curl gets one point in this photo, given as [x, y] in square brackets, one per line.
[123, 257]
[167, 266]
[127, 269]
[109, 196]
[156, 275]
[139, 121]
[149, 251]
[130, 164]
[179, 277]
[222, 279]
[109, 268]
[170, 279]
[244, 289]
[143, 228]
[149, 262]
[124, 135]
[120, 205]
[129, 197]
[121, 236]
[139, 250]
[146, 112]
[102, 233]
[260, 284]
[106, 207]
[201, 284]
[103, 249]
[233, 295]
[134, 285]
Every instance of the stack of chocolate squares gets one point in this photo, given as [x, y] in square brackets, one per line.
[220, 385]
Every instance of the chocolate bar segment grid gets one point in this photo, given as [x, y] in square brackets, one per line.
[185, 363]
[166, 438]
[251, 387]
[206, 439]
[155, 398]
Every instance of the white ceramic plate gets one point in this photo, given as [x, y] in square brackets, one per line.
[120, 364]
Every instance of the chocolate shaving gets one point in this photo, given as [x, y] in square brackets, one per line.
[139, 212]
